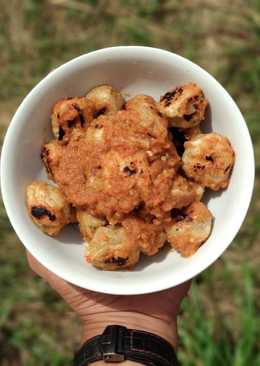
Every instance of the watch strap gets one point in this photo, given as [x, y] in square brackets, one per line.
[118, 343]
[143, 347]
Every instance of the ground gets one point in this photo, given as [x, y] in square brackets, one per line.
[219, 323]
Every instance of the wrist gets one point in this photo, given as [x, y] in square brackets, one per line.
[96, 323]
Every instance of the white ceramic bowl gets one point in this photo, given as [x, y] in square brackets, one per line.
[132, 70]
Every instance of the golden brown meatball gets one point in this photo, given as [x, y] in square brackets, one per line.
[185, 106]
[106, 99]
[88, 224]
[112, 249]
[190, 227]
[208, 159]
[69, 114]
[47, 207]
[51, 154]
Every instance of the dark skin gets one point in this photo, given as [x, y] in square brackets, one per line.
[155, 313]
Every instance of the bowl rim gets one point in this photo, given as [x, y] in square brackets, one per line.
[96, 285]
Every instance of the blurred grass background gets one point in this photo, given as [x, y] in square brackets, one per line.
[220, 324]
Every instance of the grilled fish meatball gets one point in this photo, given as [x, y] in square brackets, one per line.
[208, 159]
[51, 154]
[69, 114]
[190, 227]
[47, 207]
[185, 106]
[88, 224]
[112, 249]
[106, 99]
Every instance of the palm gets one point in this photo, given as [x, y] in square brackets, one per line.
[87, 304]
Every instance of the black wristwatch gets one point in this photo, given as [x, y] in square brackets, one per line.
[117, 344]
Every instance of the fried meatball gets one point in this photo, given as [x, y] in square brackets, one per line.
[190, 227]
[69, 114]
[179, 136]
[51, 154]
[185, 106]
[112, 249]
[149, 237]
[47, 207]
[150, 120]
[106, 99]
[208, 159]
[88, 224]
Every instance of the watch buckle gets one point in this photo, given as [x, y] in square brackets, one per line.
[112, 344]
[113, 357]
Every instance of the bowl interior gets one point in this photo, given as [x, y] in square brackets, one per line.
[133, 70]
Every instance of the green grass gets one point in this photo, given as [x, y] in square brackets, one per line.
[220, 322]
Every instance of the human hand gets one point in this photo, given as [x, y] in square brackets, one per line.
[155, 313]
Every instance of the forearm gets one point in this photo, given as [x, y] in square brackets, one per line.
[96, 323]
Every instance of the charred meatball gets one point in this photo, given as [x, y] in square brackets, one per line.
[69, 114]
[47, 207]
[190, 227]
[112, 249]
[185, 106]
[51, 154]
[208, 159]
[106, 99]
